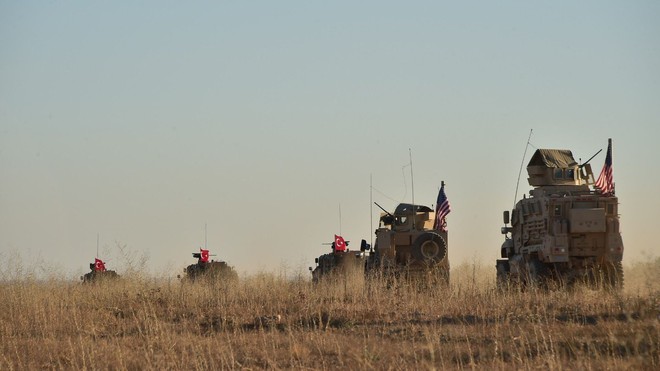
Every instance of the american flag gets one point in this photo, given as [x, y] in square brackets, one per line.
[442, 208]
[605, 182]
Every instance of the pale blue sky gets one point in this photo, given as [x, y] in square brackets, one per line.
[141, 122]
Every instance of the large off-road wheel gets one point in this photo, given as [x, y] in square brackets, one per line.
[430, 248]
[613, 276]
[503, 276]
[538, 273]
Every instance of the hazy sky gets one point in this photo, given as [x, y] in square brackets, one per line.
[142, 122]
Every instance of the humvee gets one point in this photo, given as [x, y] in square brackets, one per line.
[408, 246]
[564, 231]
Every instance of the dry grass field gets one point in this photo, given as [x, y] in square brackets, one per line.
[267, 321]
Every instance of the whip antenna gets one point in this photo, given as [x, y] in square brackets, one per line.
[340, 218]
[412, 185]
[515, 197]
[371, 209]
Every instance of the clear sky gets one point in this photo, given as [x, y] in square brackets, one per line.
[142, 122]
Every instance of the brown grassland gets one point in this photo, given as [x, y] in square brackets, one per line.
[269, 321]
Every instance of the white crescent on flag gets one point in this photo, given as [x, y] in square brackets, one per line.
[99, 265]
[340, 244]
[204, 255]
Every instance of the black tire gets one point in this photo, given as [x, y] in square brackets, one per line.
[613, 276]
[503, 279]
[430, 247]
[538, 273]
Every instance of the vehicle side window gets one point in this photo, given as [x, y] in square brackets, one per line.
[559, 173]
[570, 174]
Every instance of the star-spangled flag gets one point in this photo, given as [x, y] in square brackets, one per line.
[204, 255]
[340, 244]
[605, 182]
[442, 208]
[99, 266]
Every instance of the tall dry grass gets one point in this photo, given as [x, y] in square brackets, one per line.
[269, 321]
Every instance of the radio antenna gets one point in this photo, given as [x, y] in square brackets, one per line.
[412, 185]
[371, 209]
[340, 218]
[97, 245]
[205, 240]
[515, 197]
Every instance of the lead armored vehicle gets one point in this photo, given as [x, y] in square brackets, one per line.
[567, 230]
[98, 273]
[340, 262]
[408, 246]
[211, 269]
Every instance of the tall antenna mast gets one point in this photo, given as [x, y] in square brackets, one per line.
[515, 197]
[412, 185]
[205, 236]
[371, 209]
[97, 245]
[340, 218]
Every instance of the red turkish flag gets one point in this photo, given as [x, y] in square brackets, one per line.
[99, 266]
[340, 244]
[204, 256]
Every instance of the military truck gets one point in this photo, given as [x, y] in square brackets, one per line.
[340, 262]
[565, 231]
[407, 246]
[98, 273]
[210, 269]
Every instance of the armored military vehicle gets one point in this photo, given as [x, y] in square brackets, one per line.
[409, 245]
[341, 261]
[564, 231]
[98, 272]
[205, 268]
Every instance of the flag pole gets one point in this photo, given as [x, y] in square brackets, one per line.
[609, 146]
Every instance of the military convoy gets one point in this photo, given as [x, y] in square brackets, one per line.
[408, 246]
[565, 231]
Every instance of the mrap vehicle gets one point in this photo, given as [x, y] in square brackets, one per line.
[408, 246]
[565, 231]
